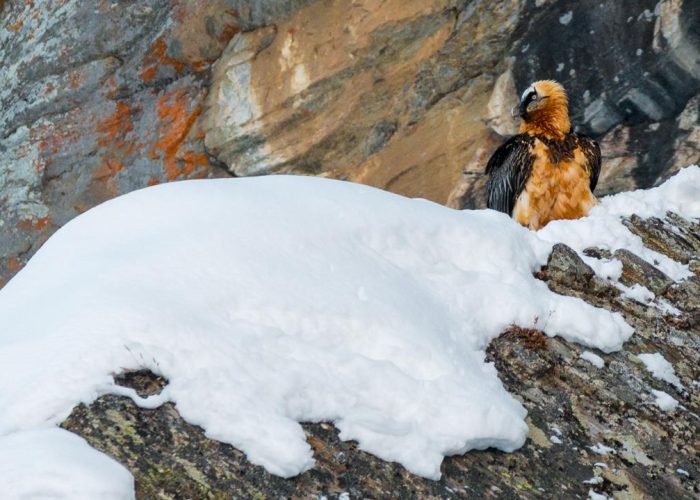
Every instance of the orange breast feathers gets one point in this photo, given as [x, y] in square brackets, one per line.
[554, 190]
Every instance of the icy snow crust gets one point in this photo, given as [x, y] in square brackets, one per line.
[271, 301]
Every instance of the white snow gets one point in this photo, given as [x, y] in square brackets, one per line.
[592, 495]
[54, 463]
[271, 301]
[643, 295]
[664, 401]
[594, 480]
[601, 449]
[555, 439]
[593, 359]
[661, 369]
[683, 472]
[637, 292]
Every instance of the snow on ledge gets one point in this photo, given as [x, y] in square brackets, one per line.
[271, 301]
[593, 359]
[661, 369]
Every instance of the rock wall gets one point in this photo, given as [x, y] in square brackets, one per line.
[101, 98]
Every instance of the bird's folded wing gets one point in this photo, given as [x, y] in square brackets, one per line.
[508, 171]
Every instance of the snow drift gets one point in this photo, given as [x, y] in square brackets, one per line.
[271, 301]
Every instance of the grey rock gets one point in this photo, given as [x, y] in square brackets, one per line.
[638, 271]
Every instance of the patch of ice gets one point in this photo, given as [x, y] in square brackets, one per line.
[594, 480]
[683, 472]
[592, 495]
[555, 439]
[661, 369]
[593, 359]
[664, 400]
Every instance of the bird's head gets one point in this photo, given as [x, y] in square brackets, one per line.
[544, 108]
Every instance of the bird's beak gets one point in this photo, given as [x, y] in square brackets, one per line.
[522, 109]
[515, 111]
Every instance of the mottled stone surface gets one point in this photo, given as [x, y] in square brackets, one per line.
[572, 407]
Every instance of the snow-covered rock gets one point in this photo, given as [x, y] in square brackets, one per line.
[315, 300]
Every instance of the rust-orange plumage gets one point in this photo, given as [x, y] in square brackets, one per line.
[546, 172]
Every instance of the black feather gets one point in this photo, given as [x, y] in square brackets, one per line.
[508, 171]
[591, 151]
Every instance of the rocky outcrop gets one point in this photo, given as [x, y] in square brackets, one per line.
[98, 99]
[590, 428]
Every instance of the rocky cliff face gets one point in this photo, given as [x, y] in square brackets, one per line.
[100, 98]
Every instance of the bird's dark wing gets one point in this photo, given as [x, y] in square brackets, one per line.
[591, 151]
[508, 171]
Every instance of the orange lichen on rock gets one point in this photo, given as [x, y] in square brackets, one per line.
[158, 57]
[230, 29]
[30, 225]
[113, 128]
[177, 121]
[13, 264]
[148, 74]
[113, 132]
[110, 167]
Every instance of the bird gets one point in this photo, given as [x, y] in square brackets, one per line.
[545, 172]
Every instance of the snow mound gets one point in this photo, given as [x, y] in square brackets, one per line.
[53, 463]
[271, 301]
